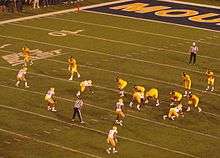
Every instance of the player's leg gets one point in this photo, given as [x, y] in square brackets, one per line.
[18, 82]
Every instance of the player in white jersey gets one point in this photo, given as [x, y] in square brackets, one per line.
[119, 112]
[112, 140]
[83, 85]
[49, 97]
[21, 76]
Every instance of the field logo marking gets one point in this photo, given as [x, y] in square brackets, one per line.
[63, 33]
[17, 58]
[166, 11]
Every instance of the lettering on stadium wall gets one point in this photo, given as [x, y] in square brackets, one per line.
[166, 11]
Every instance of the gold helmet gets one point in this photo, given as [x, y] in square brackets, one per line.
[120, 100]
[114, 128]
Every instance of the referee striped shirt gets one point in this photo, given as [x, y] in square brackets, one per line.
[78, 103]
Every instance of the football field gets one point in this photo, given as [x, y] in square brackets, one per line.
[145, 53]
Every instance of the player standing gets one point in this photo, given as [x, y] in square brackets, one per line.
[112, 140]
[210, 80]
[186, 83]
[49, 97]
[27, 56]
[119, 112]
[121, 85]
[72, 68]
[21, 76]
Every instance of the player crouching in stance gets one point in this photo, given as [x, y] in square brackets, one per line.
[186, 83]
[119, 111]
[175, 97]
[50, 100]
[174, 112]
[21, 76]
[72, 68]
[152, 94]
[210, 80]
[138, 97]
[112, 140]
[121, 85]
[27, 56]
[193, 101]
[87, 84]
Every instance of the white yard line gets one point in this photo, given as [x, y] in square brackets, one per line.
[154, 21]
[41, 141]
[57, 12]
[116, 41]
[129, 115]
[132, 30]
[97, 131]
[110, 89]
[114, 72]
[127, 58]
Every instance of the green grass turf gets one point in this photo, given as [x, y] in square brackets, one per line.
[102, 54]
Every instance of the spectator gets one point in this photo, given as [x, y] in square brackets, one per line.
[36, 4]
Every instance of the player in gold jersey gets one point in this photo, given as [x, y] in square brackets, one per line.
[152, 94]
[87, 84]
[27, 56]
[186, 83]
[72, 68]
[174, 112]
[175, 97]
[121, 85]
[193, 100]
[210, 80]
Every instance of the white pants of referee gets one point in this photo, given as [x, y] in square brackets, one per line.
[77, 112]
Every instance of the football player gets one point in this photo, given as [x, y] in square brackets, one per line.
[138, 98]
[72, 68]
[21, 76]
[152, 94]
[119, 112]
[121, 85]
[210, 80]
[49, 97]
[27, 56]
[186, 83]
[87, 84]
[174, 112]
[175, 97]
[193, 100]
[112, 140]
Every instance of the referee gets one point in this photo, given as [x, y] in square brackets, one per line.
[193, 51]
[77, 109]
